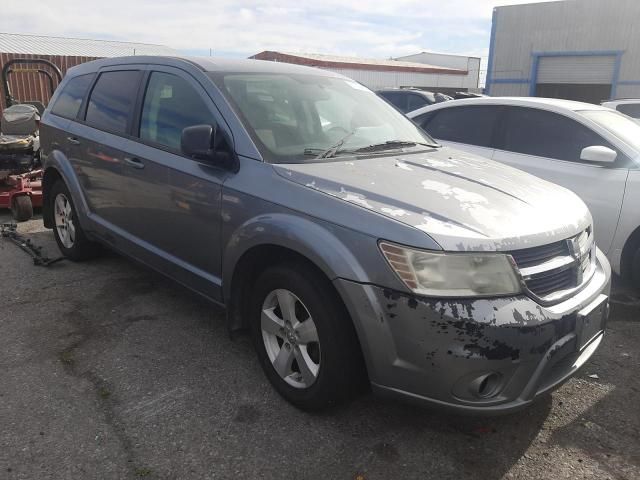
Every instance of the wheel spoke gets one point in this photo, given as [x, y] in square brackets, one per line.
[283, 362]
[287, 304]
[59, 205]
[71, 229]
[62, 232]
[308, 369]
[67, 208]
[270, 323]
[306, 331]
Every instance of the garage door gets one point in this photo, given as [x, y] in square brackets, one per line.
[585, 70]
[582, 78]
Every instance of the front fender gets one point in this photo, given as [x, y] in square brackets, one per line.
[318, 243]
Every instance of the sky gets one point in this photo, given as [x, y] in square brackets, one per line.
[240, 28]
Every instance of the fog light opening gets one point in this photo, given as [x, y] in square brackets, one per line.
[487, 385]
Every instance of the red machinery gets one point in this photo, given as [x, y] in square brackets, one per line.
[20, 173]
[22, 193]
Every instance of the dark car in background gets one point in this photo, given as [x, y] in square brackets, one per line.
[410, 99]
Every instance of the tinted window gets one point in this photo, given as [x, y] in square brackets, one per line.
[416, 101]
[112, 100]
[68, 103]
[631, 109]
[397, 99]
[170, 105]
[423, 119]
[471, 125]
[547, 134]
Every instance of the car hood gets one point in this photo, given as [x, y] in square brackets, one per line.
[464, 202]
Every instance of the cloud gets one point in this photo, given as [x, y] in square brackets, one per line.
[245, 27]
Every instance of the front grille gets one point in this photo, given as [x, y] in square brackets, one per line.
[556, 267]
[553, 282]
[528, 257]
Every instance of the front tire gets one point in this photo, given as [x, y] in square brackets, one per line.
[635, 269]
[67, 231]
[304, 337]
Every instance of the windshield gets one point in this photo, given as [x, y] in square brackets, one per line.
[619, 125]
[301, 118]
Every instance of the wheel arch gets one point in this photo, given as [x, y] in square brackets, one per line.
[51, 175]
[58, 167]
[631, 245]
[268, 240]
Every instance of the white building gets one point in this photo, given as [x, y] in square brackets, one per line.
[376, 74]
[461, 62]
[585, 50]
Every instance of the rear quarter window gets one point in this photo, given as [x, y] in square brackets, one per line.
[70, 99]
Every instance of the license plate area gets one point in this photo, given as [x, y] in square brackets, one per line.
[591, 320]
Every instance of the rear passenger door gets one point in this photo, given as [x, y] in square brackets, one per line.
[469, 128]
[179, 206]
[549, 145]
[97, 143]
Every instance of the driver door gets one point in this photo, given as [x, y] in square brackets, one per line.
[181, 208]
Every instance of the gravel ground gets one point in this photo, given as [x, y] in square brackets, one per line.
[108, 370]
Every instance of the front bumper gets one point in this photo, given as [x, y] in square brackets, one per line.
[476, 356]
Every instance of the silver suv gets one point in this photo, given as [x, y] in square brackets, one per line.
[355, 249]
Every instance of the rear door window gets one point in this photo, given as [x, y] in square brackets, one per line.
[70, 99]
[171, 104]
[546, 134]
[630, 109]
[112, 100]
[473, 125]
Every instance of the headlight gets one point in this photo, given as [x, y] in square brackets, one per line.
[453, 274]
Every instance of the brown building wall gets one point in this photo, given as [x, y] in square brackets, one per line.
[34, 86]
[286, 58]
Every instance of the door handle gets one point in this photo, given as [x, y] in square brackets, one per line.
[73, 140]
[134, 162]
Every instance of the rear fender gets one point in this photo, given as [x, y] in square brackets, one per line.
[58, 162]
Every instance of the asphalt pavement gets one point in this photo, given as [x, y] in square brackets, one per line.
[110, 371]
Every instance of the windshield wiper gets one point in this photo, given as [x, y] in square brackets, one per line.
[332, 150]
[389, 144]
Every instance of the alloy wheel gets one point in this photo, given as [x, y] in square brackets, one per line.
[290, 338]
[63, 216]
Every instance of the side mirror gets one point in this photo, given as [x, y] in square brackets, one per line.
[598, 153]
[197, 142]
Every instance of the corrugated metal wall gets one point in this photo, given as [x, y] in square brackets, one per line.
[33, 86]
[567, 26]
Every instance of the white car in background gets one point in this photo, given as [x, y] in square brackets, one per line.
[628, 106]
[592, 150]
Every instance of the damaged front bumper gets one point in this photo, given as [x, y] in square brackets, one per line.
[478, 355]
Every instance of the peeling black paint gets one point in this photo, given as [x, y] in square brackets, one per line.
[496, 351]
